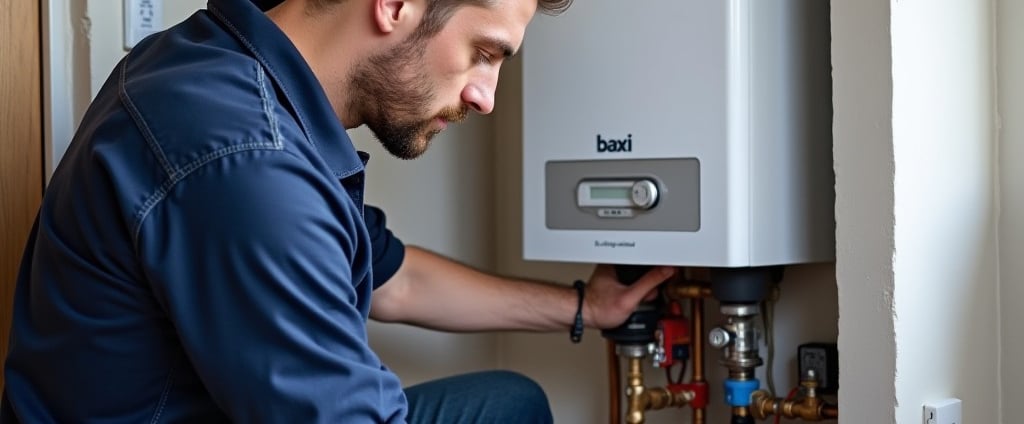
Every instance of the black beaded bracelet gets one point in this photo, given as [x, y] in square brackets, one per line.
[576, 332]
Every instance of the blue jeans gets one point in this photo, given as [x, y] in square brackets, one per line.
[489, 397]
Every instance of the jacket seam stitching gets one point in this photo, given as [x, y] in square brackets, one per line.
[176, 175]
[140, 122]
[186, 170]
[164, 395]
[267, 106]
[263, 62]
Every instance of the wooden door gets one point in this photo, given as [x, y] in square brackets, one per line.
[21, 143]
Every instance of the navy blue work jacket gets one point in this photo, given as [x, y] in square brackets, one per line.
[201, 253]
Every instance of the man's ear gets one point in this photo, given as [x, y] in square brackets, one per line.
[397, 15]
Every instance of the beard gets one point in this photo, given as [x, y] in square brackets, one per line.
[393, 94]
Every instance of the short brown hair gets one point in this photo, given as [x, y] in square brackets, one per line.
[439, 11]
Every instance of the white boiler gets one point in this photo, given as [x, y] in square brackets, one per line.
[679, 132]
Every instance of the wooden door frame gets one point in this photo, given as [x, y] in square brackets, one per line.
[21, 124]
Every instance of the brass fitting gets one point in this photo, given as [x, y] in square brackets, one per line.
[687, 290]
[660, 398]
[740, 411]
[642, 398]
[808, 407]
[635, 392]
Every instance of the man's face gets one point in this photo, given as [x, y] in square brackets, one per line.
[409, 94]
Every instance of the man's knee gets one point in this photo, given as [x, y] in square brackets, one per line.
[518, 395]
[519, 386]
[486, 397]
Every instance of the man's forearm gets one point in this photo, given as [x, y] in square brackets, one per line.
[432, 291]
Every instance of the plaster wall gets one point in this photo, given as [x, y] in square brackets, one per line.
[945, 246]
[1010, 36]
[864, 166]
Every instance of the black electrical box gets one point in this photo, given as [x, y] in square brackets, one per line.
[823, 358]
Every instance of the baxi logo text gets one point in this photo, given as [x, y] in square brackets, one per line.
[623, 145]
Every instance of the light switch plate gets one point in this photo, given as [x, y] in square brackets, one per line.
[945, 411]
[141, 18]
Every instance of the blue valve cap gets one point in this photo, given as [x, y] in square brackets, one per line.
[737, 392]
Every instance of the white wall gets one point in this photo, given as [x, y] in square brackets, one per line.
[914, 152]
[916, 207]
[946, 277]
[1011, 223]
[862, 150]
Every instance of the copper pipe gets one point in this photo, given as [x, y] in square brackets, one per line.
[613, 384]
[697, 318]
[697, 312]
[830, 412]
[693, 282]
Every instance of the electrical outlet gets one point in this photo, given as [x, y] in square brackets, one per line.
[945, 411]
[141, 18]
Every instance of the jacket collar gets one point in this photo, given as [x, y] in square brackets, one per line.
[292, 75]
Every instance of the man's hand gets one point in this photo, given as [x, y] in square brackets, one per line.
[608, 302]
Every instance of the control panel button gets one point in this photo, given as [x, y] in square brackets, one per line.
[645, 194]
[615, 213]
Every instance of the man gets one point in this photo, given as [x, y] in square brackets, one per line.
[202, 254]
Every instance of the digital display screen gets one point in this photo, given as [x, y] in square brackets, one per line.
[597, 192]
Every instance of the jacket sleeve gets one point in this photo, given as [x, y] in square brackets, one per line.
[262, 267]
[388, 250]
